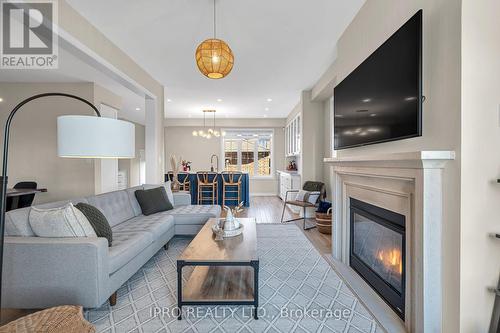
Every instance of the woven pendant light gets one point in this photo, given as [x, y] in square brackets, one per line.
[214, 57]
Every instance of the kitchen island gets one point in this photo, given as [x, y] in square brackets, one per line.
[244, 191]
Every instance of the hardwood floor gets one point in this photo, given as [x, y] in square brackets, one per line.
[268, 210]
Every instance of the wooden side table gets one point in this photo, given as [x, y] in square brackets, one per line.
[60, 319]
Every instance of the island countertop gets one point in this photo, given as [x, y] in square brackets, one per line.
[231, 198]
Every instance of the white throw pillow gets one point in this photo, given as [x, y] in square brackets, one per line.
[301, 195]
[65, 221]
[168, 188]
[306, 196]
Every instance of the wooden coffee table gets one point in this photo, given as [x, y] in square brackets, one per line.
[226, 272]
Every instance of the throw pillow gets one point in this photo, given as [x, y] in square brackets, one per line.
[306, 196]
[97, 220]
[168, 189]
[153, 201]
[66, 221]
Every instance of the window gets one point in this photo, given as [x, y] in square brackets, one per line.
[249, 151]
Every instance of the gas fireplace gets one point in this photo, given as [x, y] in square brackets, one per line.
[377, 251]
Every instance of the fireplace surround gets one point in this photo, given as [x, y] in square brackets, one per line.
[408, 184]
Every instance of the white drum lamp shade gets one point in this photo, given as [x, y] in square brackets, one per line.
[95, 137]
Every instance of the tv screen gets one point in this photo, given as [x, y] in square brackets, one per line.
[381, 100]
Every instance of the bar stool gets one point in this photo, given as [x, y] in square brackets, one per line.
[182, 178]
[207, 186]
[231, 184]
[185, 184]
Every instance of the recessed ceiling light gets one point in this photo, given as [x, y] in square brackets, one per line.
[137, 109]
[269, 99]
[266, 109]
[169, 100]
[219, 99]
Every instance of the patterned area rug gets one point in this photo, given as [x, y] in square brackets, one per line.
[299, 292]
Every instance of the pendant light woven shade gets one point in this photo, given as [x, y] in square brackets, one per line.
[214, 58]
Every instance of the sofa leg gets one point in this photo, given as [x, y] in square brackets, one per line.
[112, 299]
[165, 247]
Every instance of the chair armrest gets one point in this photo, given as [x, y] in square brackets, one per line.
[182, 199]
[290, 191]
[41, 272]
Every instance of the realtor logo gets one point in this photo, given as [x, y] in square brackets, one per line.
[27, 32]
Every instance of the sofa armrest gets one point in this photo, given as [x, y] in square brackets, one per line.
[182, 199]
[44, 272]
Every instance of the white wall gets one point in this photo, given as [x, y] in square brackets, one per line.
[132, 166]
[479, 264]
[375, 22]
[180, 142]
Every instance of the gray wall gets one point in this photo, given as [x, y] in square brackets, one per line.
[33, 140]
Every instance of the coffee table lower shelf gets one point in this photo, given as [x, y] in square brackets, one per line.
[219, 283]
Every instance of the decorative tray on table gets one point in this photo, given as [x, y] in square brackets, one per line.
[218, 231]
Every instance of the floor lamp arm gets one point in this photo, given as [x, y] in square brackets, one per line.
[4, 180]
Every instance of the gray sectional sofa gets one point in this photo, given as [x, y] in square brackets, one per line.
[44, 272]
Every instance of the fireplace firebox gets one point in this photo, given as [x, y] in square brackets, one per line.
[377, 251]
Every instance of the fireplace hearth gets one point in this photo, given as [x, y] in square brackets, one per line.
[377, 251]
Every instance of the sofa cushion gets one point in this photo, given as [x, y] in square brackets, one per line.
[66, 221]
[157, 224]
[126, 246]
[17, 221]
[153, 201]
[115, 206]
[97, 220]
[194, 214]
[133, 199]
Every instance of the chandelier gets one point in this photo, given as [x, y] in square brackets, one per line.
[214, 57]
[211, 131]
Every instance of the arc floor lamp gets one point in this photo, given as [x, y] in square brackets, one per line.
[77, 137]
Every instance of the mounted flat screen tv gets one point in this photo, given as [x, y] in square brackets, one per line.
[381, 100]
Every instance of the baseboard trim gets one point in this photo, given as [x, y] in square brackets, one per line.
[263, 194]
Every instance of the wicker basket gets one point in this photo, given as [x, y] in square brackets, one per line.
[61, 319]
[324, 222]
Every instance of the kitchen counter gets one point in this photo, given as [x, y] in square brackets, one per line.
[288, 172]
[244, 192]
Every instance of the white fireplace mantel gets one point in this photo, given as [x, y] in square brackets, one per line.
[416, 159]
[411, 184]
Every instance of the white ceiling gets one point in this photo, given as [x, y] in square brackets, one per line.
[73, 69]
[281, 47]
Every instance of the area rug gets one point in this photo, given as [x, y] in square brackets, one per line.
[299, 292]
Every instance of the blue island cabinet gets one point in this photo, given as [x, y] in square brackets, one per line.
[244, 194]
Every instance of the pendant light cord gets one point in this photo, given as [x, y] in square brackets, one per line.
[215, 28]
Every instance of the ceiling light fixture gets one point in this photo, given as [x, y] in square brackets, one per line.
[219, 99]
[266, 109]
[137, 109]
[169, 100]
[214, 57]
[212, 131]
[269, 99]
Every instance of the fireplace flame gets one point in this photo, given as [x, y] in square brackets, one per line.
[392, 259]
